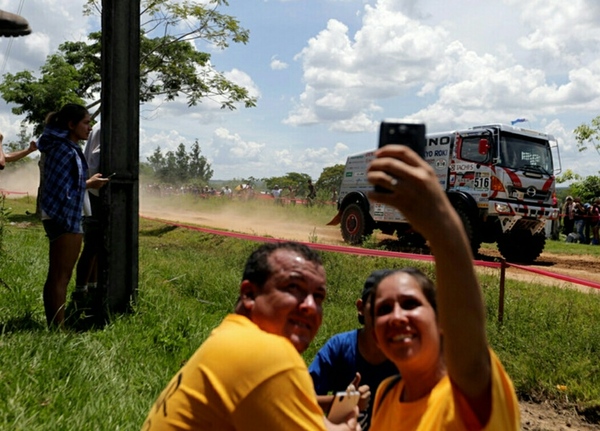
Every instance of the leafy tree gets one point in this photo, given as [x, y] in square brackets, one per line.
[331, 178]
[199, 168]
[588, 135]
[182, 161]
[587, 188]
[294, 180]
[179, 167]
[36, 97]
[170, 65]
[157, 160]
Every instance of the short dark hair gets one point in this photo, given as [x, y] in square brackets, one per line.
[424, 282]
[258, 270]
[69, 113]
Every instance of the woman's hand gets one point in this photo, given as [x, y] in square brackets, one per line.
[96, 181]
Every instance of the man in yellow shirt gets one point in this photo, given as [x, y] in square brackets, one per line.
[248, 374]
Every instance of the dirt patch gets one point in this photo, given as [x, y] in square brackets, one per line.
[552, 417]
[534, 417]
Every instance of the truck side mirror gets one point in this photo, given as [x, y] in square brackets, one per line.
[484, 146]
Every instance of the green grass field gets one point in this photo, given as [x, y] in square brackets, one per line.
[107, 379]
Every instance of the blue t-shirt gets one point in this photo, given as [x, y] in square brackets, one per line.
[336, 363]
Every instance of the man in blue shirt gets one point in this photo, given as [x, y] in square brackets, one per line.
[337, 362]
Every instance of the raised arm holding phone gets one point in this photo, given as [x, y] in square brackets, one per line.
[450, 377]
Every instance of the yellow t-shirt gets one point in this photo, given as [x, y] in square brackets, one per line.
[241, 378]
[445, 409]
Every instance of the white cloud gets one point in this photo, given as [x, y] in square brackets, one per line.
[277, 64]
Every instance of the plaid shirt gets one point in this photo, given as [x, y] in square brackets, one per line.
[65, 174]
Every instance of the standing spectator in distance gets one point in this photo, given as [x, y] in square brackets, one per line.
[291, 195]
[587, 222]
[276, 193]
[579, 215]
[595, 217]
[86, 274]
[568, 215]
[451, 380]
[248, 374]
[334, 195]
[312, 192]
[337, 362]
[63, 190]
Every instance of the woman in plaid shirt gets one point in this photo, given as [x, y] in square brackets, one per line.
[63, 191]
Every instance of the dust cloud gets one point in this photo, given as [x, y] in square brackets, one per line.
[19, 180]
[260, 221]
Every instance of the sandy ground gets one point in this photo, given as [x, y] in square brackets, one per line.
[534, 417]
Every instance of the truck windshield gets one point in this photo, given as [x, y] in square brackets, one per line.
[525, 153]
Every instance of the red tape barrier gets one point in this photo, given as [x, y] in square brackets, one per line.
[380, 253]
[6, 192]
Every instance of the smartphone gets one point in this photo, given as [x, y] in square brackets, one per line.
[403, 132]
[342, 405]
[111, 175]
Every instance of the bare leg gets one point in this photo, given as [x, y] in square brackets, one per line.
[86, 266]
[63, 255]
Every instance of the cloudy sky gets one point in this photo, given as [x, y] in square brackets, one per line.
[326, 72]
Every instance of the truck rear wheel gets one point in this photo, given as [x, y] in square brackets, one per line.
[355, 224]
[520, 246]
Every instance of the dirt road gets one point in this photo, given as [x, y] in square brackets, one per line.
[585, 267]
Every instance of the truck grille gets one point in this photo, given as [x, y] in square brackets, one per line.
[529, 193]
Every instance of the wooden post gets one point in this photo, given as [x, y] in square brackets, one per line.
[503, 267]
[118, 263]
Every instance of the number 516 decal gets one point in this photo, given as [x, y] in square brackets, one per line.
[481, 181]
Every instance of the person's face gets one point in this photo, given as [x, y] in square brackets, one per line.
[405, 324]
[81, 130]
[290, 303]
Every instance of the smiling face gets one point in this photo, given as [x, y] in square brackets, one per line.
[290, 303]
[81, 130]
[405, 324]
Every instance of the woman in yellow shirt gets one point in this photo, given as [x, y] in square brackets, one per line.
[450, 378]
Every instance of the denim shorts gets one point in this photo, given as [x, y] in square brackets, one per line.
[54, 230]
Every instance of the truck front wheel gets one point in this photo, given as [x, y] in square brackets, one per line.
[355, 224]
[470, 230]
[520, 246]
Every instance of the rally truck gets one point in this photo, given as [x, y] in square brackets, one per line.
[500, 179]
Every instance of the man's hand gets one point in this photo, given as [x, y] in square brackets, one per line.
[365, 393]
[350, 423]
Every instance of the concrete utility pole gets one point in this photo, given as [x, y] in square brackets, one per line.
[118, 264]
